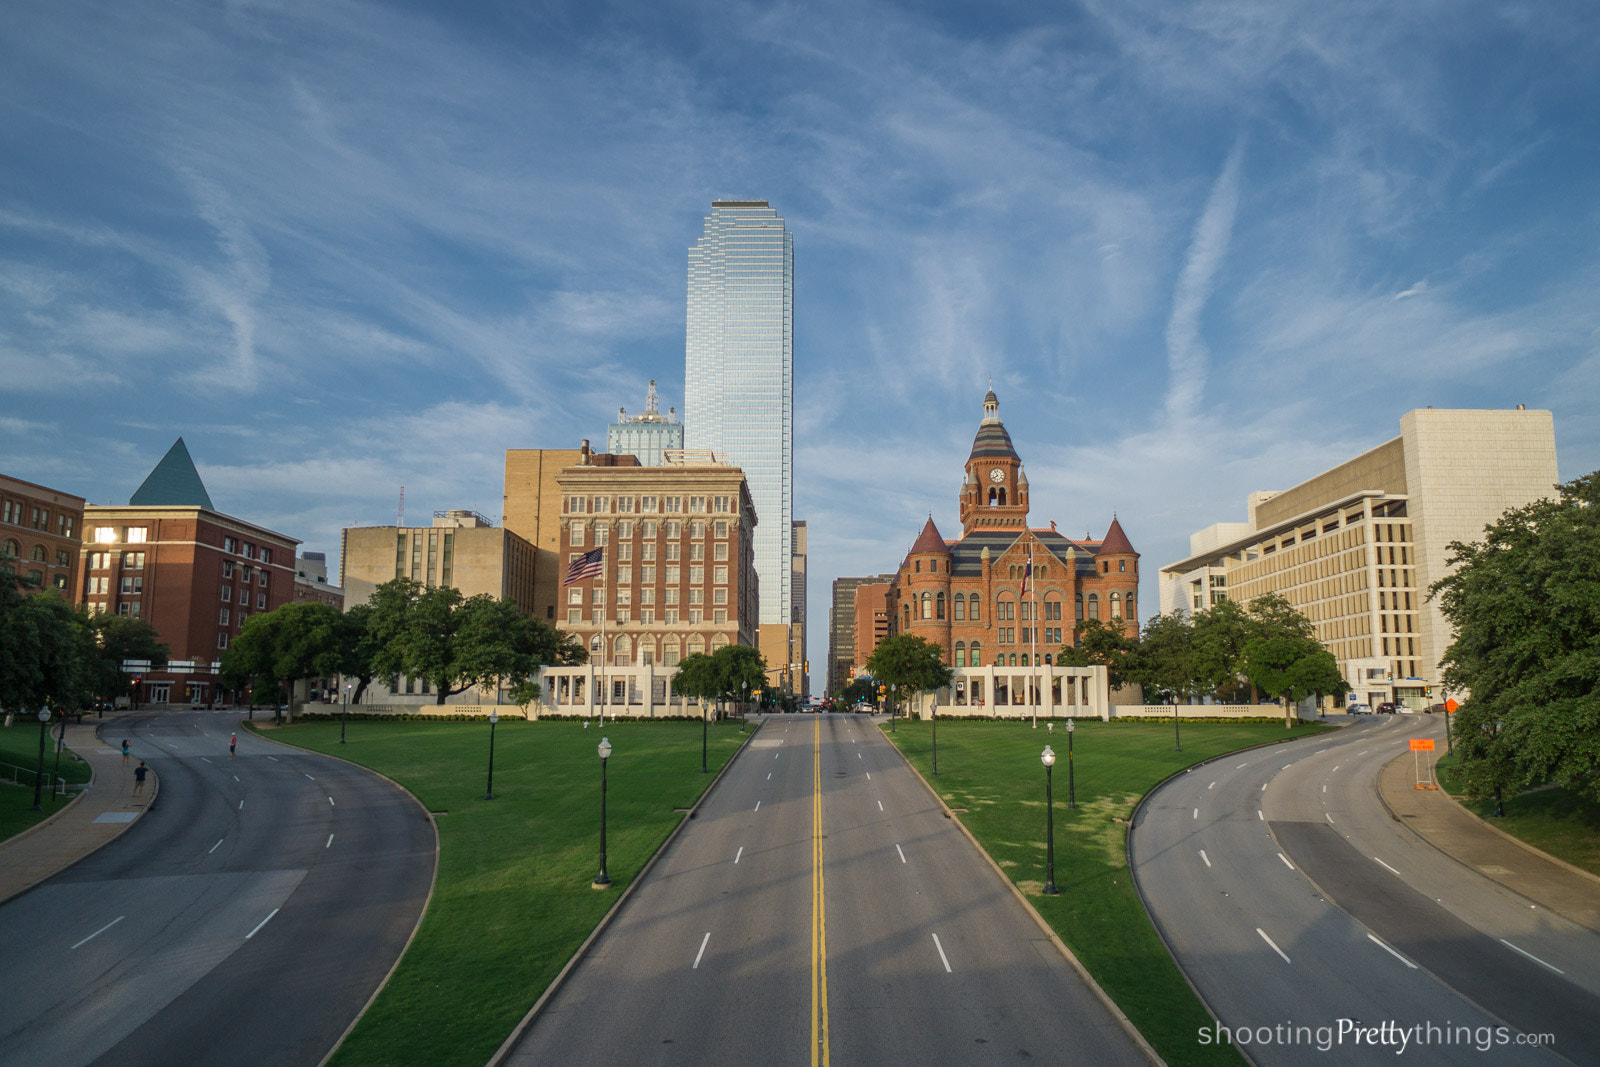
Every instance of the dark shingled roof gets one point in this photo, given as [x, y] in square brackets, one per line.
[992, 441]
[173, 483]
[967, 553]
[1116, 540]
[930, 541]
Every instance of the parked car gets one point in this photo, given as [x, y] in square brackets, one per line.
[1357, 708]
[1435, 709]
[1386, 708]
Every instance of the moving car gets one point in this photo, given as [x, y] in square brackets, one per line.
[1386, 708]
[1357, 708]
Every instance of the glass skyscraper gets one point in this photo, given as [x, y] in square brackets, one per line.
[739, 377]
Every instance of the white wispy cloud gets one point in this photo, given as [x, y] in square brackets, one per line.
[1186, 351]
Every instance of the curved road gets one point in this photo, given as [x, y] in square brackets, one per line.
[246, 918]
[1292, 898]
[924, 956]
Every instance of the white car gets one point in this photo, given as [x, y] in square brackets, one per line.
[1357, 709]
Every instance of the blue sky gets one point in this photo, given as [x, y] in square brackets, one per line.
[1200, 248]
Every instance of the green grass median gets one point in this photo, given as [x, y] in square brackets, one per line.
[513, 900]
[993, 771]
[19, 750]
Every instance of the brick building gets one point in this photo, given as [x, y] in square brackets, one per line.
[195, 574]
[41, 534]
[971, 596]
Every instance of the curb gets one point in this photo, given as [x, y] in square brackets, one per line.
[1049, 931]
[433, 880]
[1495, 829]
[510, 1043]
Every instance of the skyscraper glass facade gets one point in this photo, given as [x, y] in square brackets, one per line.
[739, 373]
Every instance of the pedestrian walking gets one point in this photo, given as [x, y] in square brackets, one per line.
[233, 740]
[138, 778]
[125, 751]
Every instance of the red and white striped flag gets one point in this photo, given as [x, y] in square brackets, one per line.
[589, 565]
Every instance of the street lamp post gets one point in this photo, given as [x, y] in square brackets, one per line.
[344, 712]
[38, 777]
[1048, 758]
[488, 792]
[703, 711]
[1072, 789]
[603, 880]
[934, 720]
[1177, 735]
[61, 743]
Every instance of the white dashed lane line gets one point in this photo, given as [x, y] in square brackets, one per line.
[1205, 857]
[100, 931]
[1274, 945]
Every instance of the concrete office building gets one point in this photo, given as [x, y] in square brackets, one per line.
[1357, 547]
[647, 437]
[462, 550]
[739, 384]
[311, 581]
[842, 628]
[195, 574]
[41, 535]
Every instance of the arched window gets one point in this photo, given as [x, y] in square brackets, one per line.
[697, 645]
[1116, 605]
[927, 604]
[647, 651]
[1129, 597]
[961, 608]
[1013, 659]
[906, 610]
[719, 641]
[1079, 608]
[13, 549]
[623, 651]
[1052, 609]
[972, 608]
[37, 555]
[961, 653]
[1025, 659]
[595, 648]
[1049, 659]
[37, 578]
[938, 606]
[669, 652]
[977, 653]
[1094, 605]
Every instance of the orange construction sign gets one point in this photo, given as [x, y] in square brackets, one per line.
[1422, 744]
[1450, 706]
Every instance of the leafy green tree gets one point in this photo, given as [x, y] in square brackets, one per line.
[1525, 606]
[458, 643]
[726, 674]
[1290, 668]
[697, 677]
[279, 647]
[860, 691]
[1165, 661]
[116, 638]
[46, 649]
[1220, 634]
[388, 614]
[359, 648]
[1098, 643]
[909, 664]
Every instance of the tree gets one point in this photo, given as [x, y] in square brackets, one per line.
[45, 649]
[1220, 634]
[117, 638]
[726, 674]
[295, 641]
[359, 648]
[907, 663]
[1098, 643]
[459, 643]
[859, 691]
[1525, 606]
[1283, 657]
[697, 677]
[1166, 659]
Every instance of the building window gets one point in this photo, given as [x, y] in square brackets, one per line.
[577, 529]
[1116, 605]
[66, 525]
[1122, 565]
[222, 640]
[720, 575]
[227, 594]
[960, 606]
[261, 601]
[938, 606]
[719, 596]
[132, 585]
[574, 616]
[1078, 610]
[37, 555]
[977, 654]
[230, 544]
[927, 605]
[105, 535]
[961, 651]
[720, 552]
[248, 550]
[133, 561]
[697, 531]
[1094, 605]
[972, 609]
[60, 581]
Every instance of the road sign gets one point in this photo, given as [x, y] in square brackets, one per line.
[1450, 706]
[1425, 778]
[1422, 744]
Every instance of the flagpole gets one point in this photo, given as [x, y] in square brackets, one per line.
[1033, 637]
[605, 648]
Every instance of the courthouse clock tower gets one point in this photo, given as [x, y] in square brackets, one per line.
[994, 493]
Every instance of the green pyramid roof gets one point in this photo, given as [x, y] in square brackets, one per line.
[173, 483]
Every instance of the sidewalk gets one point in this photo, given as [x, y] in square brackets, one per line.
[99, 814]
[1461, 835]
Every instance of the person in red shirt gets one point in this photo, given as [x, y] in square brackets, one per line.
[233, 739]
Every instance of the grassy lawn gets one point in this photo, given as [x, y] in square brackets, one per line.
[19, 745]
[513, 901]
[992, 769]
[1553, 819]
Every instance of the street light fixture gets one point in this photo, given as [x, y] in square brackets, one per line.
[488, 792]
[38, 778]
[345, 712]
[603, 880]
[1072, 791]
[1048, 758]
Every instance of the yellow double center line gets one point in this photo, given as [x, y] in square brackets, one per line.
[819, 914]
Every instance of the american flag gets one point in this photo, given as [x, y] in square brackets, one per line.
[589, 565]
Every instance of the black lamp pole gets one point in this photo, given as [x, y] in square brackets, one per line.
[344, 712]
[935, 721]
[602, 880]
[38, 777]
[61, 743]
[1049, 759]
[488, 792]
[1177, 734]
[703, 728]
[1072, 789]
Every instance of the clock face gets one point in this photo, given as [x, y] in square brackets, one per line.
[997, 475]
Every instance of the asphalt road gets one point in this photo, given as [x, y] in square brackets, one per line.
[1290, 896]
[922, 955]
[246, 918]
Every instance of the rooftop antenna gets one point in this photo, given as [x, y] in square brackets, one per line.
[650, 399]
[402, 520]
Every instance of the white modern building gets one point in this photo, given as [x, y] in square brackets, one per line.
[739, 384]
[1357, 547]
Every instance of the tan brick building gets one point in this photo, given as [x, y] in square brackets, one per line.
[41, 534]
[969, 596]
[462, 550]
[1357, 547]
